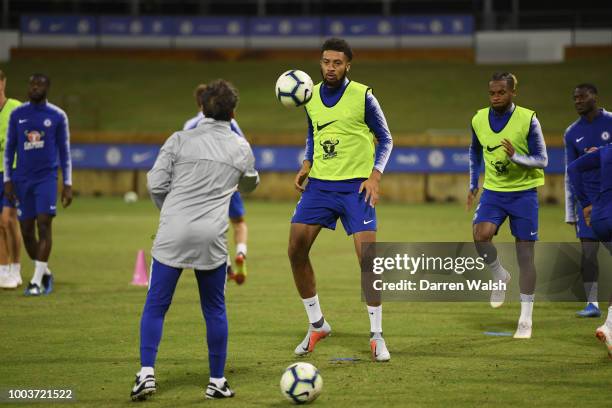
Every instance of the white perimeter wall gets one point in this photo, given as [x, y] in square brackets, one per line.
[8, 40]
[543, 46]
[534, 46]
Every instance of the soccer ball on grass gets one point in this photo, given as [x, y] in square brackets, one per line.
[130, 197]
[301, 383]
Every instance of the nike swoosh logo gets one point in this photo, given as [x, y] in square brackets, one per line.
[225, 391]
[492, 149]
[533, 233]
[22, 121]
[358, 28]
[367, 222]
[579, 139]
[323, 126]
[140, 157]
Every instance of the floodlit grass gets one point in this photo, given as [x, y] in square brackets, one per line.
[85, 335]
[156, 96]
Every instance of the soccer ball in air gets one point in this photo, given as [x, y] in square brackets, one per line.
[301, 383]
[293, 88]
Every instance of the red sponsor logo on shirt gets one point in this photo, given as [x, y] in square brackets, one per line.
[34, 136]
[35, 140]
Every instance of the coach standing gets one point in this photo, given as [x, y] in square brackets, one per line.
[192, 182]
[38, 132]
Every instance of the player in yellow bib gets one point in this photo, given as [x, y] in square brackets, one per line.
[343, 168]
[509, 139]
[10, 234]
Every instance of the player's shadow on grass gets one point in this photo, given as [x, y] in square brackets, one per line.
[267, 333]
[492, 324]
[281, 403]
[61, 287]
[187, 375]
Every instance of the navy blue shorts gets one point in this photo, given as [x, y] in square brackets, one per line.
[236, 207]
[317, 207]
[603, 229]
[582, 229]
[36, 197]
[520, 206]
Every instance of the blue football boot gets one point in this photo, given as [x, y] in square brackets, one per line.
[47, 283]
[589, 311]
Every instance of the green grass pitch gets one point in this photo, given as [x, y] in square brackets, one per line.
[156, 96]
[85, 335]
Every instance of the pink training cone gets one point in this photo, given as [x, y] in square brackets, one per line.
[140, 270]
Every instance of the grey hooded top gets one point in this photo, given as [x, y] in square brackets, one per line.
[192, 181]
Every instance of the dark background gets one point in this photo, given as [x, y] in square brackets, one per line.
[488, 14]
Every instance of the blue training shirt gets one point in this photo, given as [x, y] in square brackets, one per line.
[374, 119]
[193, 122]
[599, 161]
[40, 134]
[579, 137]
[536, 158]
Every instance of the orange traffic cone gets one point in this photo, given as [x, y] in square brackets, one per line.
[140, 270]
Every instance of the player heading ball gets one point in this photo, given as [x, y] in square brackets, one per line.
[343, 168]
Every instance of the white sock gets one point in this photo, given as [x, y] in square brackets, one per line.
[15, 268]
[609, 319]
[144, 371]
[219, 382]
[313, 309]
[229, 260]
[241, 247]
[526, 308]
[499, 273]
[375, 313]
[590, 289]
[47, 270]
[39, 271]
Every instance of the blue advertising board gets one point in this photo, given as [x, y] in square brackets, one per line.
[59, 25]
[113, 157]
[436, 25]
[284, 26]
[289, 158]
[455, 25]
[360, 26]
[147, 26]
[212, 26]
